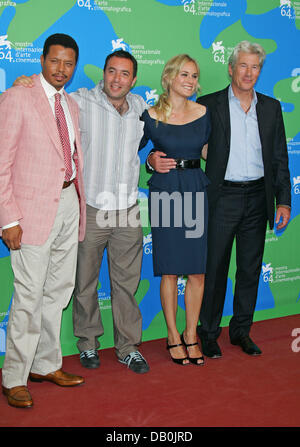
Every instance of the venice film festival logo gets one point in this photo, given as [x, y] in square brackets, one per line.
[286, 9]
[296, 184]
[119, 44]
[5, 48]
[286, 3]
[267, 273]
[147, 244]
[296, 81]
[151, 97]
[189, 6]
[181, 283]
[4, 42]
[5, 54]
[218, 51]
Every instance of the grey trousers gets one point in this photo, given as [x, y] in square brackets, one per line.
[44, 282]
[124, 253]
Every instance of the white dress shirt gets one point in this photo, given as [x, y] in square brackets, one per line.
[245, 158]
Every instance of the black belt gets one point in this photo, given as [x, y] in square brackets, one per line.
[66, 184]
[244, 184]
[187, 164]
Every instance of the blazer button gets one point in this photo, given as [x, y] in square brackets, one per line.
[62, 169]
[56, 200]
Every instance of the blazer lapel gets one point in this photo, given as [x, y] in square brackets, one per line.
[224, 115]
[261, 119]
[46, 115]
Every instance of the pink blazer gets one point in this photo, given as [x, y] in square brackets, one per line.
[32, 164]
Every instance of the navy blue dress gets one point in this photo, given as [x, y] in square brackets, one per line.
[178, 209]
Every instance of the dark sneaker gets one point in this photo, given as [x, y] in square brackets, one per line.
[90, 359]
[136, 362]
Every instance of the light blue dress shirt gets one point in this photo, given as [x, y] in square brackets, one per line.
[245, 158]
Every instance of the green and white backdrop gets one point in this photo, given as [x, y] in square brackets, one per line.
[154, 31]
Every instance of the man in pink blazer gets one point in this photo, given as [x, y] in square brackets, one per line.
[42, 215]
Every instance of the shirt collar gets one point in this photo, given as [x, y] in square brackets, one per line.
[49, 89]
[231, 95]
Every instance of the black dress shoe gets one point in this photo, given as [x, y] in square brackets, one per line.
[210, 348]
[247, 345]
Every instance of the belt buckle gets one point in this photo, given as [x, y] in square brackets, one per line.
[179, 163]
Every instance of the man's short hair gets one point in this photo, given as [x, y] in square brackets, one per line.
[247, 47]
[61, 39]
[125, 55]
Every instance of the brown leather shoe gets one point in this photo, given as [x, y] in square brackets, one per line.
[18, 396]
[58, 377]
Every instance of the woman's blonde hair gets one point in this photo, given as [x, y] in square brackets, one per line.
[163, 108]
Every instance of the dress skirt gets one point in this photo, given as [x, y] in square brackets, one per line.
[179, 231]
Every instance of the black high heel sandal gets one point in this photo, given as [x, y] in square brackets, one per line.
[193, 360]
[178, 361]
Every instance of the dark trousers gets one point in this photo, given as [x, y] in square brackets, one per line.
[239, 214]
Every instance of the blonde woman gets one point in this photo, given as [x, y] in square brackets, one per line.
[179, 128]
